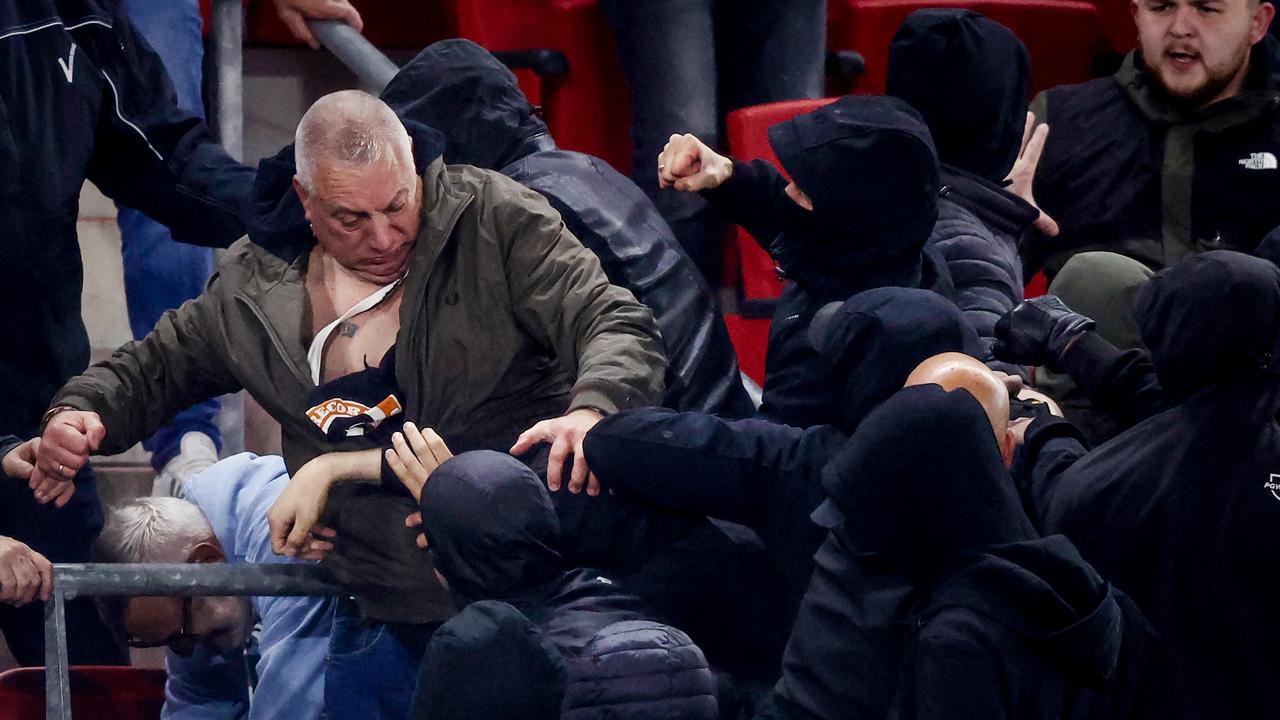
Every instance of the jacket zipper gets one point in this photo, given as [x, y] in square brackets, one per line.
[302, 378]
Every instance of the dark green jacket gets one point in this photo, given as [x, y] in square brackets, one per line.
[506, 320]
[1124, 171]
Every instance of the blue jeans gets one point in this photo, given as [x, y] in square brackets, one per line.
[373, 666]
[160, 274]
[688, 62]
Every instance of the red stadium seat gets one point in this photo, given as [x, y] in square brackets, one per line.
[1063, 36]
[748, 137]
[97, 693]
[747, 266]
[1117, 23]
[587, 109]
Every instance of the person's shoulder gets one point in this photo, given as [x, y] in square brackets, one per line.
[1083, 99]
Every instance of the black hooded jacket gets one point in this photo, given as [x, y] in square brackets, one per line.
[970, 77]
[1180, 511]
[458, 88]
[764, 475]
[869, 167]
[84, 97]
[492, 532]
[935, 598]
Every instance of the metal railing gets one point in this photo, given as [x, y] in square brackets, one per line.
[101, 580]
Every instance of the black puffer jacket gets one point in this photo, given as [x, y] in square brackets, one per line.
[493, 530]
[1180, 510]
[934, 598]
[969, 77]
[460, 89]
[83, 96]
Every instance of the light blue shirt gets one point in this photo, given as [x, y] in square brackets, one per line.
[235, 494]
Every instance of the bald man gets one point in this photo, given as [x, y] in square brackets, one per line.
[454, 298]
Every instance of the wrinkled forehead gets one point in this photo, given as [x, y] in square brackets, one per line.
[366, 187]
[147, 616]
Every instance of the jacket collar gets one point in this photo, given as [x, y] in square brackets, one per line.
[994, 206]
[1260, 97]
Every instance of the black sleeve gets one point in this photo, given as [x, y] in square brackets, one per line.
[1120, 382]
[955, 680]
[1050, 447]
[754, 197]
[697, 463]
[157, 158]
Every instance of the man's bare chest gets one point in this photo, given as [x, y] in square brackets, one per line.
[352, 332]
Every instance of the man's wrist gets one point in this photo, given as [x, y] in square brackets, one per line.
[48, 415]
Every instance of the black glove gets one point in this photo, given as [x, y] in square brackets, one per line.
[1038, 331]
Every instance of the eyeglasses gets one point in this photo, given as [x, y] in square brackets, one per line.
[183, 633]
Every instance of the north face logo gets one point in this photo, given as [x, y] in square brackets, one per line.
[1258, 161]
[1273, 485]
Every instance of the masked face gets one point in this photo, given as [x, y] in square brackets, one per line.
[367, 217]
[1199, 49]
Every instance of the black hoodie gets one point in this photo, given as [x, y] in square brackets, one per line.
[969, 77]
[1180, 511]
[936, 599]
[765, 475]
[869, 166]
[468, 95]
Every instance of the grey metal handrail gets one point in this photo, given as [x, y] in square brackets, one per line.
[373, 69]
[99, 579]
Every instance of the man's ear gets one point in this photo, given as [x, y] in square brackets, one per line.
[1008, 445]
[303, 195]
[1133, 8]
[208, 551]
[1262, 18]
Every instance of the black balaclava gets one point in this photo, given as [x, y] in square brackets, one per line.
[1211, 318]
[463, 91]
[922, 482]
[869, 166]
[491, 527]
[876, 338]
[970, 78]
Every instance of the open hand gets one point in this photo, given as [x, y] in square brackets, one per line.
[1023, 174]
[565, 434]
[294, 517]
[295, 13]
[24, 573]
[414, 455]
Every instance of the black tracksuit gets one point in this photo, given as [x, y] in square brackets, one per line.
[457, 87]
[1180, 510]
[82, 97]
[934, 597]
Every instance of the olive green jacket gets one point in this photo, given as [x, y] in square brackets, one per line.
[506, 320]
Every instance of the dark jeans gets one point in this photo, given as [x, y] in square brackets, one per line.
[63, 536]
[688, 62]
[373, 666]
[159, 273]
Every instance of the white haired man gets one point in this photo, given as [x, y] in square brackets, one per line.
[222, 519]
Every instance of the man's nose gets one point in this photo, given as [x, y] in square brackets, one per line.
[1183, 22]
[380, 234]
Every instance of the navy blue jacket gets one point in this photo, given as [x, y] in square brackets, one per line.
[83, 96]
[1179, 511]
[764, 475]
[458, 88]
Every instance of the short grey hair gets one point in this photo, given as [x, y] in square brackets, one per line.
[349, 127]
[153, 530]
